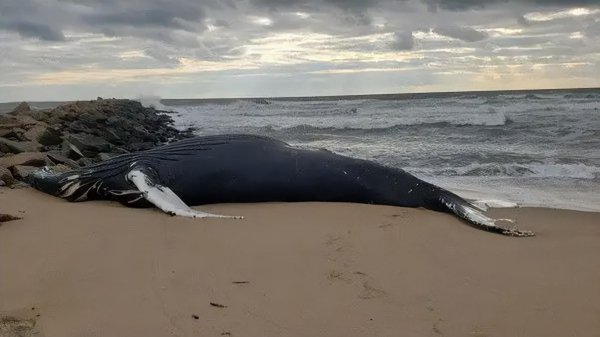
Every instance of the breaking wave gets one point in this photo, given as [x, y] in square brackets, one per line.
[153, 102]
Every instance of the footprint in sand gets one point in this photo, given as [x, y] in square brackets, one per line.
[369, 292]
[344, 270]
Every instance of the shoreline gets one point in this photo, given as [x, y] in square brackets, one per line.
[295, 269]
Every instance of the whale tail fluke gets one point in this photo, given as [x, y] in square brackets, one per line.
[475, 217]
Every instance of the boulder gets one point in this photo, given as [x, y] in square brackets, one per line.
[39, 115]
[111, 136]
[89, 145]
[24, 158]
[7, 129]
[22, 172]
[85, 162]
[9, 146]
[26, 120]
[79, 126]
[105, 156]
[141, 146]
[6, 119]
[15, 134]
[21, 109]
[44, 135]
[6, 176]
[58, 158]
[71, 151]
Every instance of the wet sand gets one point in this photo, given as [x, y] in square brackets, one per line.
[303, 269]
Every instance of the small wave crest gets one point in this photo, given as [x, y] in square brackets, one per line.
[308, 128]
[576, 171]
[582, 96]
[491, 118]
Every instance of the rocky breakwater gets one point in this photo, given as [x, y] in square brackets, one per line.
[77, 134]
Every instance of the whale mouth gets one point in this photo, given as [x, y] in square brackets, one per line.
[36, 176]
[44, 179]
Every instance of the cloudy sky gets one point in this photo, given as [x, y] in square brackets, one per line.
[79, 49]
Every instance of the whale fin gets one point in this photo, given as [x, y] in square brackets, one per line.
[475, 217]
[165, 199]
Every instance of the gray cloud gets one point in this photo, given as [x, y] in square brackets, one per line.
[33, 29]
[260, 40]
[593, 29]
[460, 5]
[308, 4]
[466, 34]
[153, 17]
[26, 18]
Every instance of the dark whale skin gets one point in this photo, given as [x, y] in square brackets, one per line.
[249, 168]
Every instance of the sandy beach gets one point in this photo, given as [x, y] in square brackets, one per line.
[303, 269]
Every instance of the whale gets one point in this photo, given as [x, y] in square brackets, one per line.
[241, 168]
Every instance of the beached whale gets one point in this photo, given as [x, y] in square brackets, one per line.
[249, 168]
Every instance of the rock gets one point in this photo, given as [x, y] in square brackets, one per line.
[9, 146]
[111, 136]
[79, 126]
[21, 109]
[44, 135]
[39, 115]
[89, 145]
[7, 129]
[26, 120]
[118, 151]
[15, 134]
[22, 172]
[85, 129]
[50, 137]
[71, 151]
[6, 119]
[58, 158]
[6, 176]
[105, 156]
[33, 132]
[141, 146]
[85, 162]
[60, 168]
[25, 158]
[2, 183]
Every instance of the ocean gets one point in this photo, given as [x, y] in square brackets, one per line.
[534, 148]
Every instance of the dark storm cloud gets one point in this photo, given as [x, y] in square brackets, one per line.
[149, 13]
[26, 18]
[34, 30]
[154, 17]
[466, 34]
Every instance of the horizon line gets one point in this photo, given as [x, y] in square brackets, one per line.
[355, 96]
